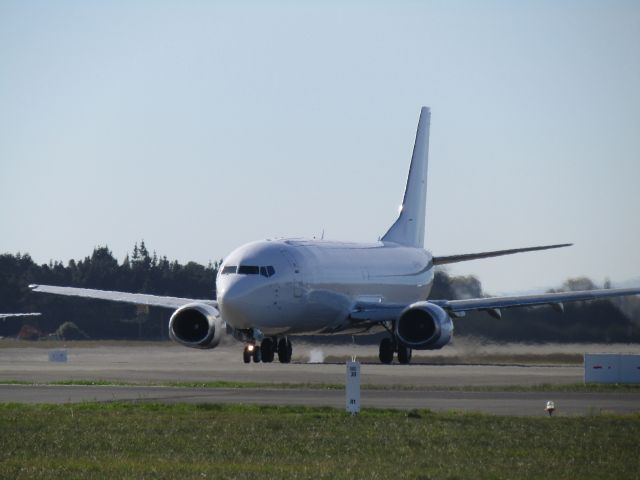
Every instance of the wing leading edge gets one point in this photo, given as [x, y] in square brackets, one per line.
[123, 297]
[381, 312]
[530, 300]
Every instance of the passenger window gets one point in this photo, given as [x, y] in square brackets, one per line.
[248, 270]
[229, 269]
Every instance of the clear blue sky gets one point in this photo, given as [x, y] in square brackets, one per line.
[200, 126]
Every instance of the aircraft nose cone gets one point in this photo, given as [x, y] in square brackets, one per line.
[233, 304]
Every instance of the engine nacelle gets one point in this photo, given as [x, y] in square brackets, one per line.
[424, 326]
[196, 325]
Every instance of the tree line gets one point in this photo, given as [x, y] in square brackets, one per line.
[616, 320]
[141, 272]
[607, 320]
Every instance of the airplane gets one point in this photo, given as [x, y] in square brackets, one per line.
[271, 290]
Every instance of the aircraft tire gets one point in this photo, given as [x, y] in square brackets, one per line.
[246, 355]
[404, 355]
[267, 350]
[386, 351]
[257, 354]
[284, 350]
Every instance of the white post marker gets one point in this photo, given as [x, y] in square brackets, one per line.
[353, 387]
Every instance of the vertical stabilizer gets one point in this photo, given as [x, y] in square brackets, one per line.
[408, 229]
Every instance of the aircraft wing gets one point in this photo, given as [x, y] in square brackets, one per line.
[10, 315]
[380, 312]
[123, 297]
[496, 253]
[492, 303]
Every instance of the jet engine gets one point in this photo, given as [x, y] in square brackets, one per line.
[424, 326]
[196, 325]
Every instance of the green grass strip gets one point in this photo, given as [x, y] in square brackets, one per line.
[146, 440]
[544, 387]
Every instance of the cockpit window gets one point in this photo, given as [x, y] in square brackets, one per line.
[248, 269]
[267, 271]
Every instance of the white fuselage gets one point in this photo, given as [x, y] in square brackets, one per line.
[310, 286]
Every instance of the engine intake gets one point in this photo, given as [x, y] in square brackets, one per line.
[424, 326]
[196, 325]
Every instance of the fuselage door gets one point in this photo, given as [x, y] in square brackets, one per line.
[297, 274]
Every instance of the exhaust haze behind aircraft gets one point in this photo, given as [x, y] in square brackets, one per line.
[271, 290]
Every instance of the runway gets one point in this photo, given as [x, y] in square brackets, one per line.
[158, 363]
[396, 386]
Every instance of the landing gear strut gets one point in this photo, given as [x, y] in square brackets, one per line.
[389, 346]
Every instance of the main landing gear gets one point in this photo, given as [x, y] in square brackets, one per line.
[266, 351]
[389, 346]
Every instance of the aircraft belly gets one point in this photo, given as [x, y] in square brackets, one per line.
[314, 311]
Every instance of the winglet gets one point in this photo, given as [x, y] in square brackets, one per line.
[408, 229]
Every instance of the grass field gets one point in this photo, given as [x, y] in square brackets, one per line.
[210, 441]
[541, 387]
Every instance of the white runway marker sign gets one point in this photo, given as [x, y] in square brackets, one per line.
[353, 387]
[58, 356]
[611, 368]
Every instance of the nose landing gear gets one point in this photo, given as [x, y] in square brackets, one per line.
[265, 352]
[252, 351]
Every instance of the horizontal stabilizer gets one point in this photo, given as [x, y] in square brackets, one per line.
[497, 253]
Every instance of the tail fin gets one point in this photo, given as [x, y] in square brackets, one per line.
[408, 229]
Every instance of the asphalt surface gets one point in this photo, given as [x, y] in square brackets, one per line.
[173, 363]
[161, 363]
